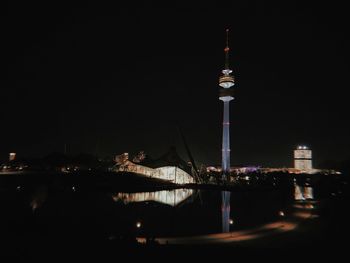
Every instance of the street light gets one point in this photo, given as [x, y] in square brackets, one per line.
[231, 223]
[137, 232]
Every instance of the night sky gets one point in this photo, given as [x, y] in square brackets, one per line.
[108, 79]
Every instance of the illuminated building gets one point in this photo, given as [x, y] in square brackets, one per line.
[12, 156]
[303, 159]
[226, 81]
[122, 158]
[169, 167]
[139, 157]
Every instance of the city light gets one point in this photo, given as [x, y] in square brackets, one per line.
[138, 224]
[12, 156]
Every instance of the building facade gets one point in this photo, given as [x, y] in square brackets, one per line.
[303, 158]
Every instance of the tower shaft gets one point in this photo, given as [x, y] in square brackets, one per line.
[226, 136]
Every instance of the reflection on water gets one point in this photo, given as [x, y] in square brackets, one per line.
[225, 208]
[303, 192]
[39, 197]
[162, 213]
[169, 197]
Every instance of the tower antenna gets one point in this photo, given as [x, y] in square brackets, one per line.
[227, 50]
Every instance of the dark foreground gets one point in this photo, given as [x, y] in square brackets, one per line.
[324, 237]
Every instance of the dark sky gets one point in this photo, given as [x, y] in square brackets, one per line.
[114, 78]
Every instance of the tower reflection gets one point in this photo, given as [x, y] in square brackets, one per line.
[225, 210]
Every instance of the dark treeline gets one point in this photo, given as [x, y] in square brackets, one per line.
[59, 162]
[343, 166]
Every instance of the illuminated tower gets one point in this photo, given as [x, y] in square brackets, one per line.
[303, 159]
[226, 81]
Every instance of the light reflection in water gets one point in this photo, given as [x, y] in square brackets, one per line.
[169, 197]
[39, 197]
[303, 193]
[225, 208]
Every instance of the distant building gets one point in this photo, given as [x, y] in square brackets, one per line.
[303, 158]
[12, 156]
[139, 157]
[122, 158]
[235, 169]
[302, 164]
